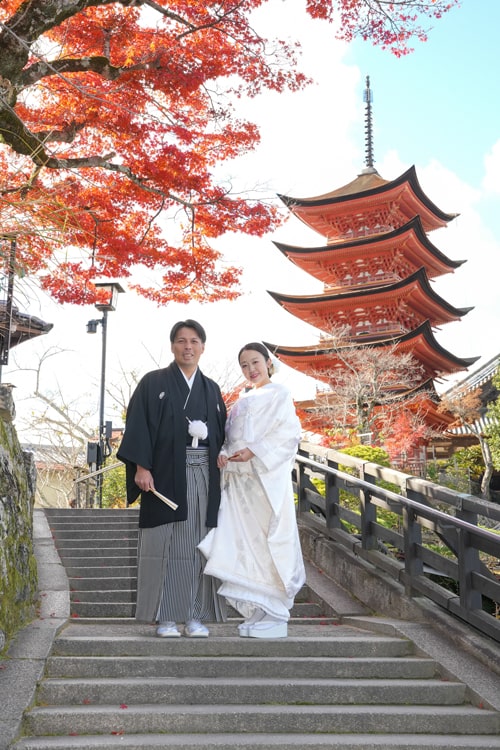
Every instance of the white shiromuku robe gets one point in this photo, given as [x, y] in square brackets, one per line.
[255, 549]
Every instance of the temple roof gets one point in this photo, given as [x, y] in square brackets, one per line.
[367, 205]
[368, 180]
[317, 360]
[409, 300]
[407, 245]
[23, 328]
[421, 398]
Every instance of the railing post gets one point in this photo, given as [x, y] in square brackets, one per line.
[332, 499]
[302, 505]
[412, 540]
[468, 563]
[368, 515]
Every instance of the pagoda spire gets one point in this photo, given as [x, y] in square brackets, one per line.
[368, 98]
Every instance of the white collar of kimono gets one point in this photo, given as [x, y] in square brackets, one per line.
[189, 381]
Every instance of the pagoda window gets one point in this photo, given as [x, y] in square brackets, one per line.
[347, 281]
[362, 327]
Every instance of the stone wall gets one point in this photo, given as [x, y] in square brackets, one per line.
[18, 570]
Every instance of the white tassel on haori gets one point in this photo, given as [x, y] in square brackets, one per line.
[198, 431]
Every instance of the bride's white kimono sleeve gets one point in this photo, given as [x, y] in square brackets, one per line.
[255, 549]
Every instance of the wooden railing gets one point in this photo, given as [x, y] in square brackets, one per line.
[85, 487]
[432, 540]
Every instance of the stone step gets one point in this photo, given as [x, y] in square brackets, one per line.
[87, 535]
[284, 667]
[242, 691]
[99, 604]
[103, 523]
[134, 640]
[115, 610]
[119, 548]
[103, 610]
[105, 583]
[232, 623]
[193, 718]
[126, 560]
[73, 513]
[263, 741]
[96, 571]
[111, 596]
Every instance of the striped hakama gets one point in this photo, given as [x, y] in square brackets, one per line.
[170, 581]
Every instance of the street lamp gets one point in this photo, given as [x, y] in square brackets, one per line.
[107, 300]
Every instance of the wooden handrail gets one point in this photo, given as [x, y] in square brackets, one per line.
[409, 555]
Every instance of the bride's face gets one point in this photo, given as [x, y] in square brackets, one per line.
[254, 367]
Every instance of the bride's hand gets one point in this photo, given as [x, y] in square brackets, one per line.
[222, 460]
[245, 454]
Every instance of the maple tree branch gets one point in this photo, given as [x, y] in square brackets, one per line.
[150, 189]
[23, 141]
[215, 22]
[14, 132]
[67, 135]
[98, 64]
[163, 11]
[122, 169]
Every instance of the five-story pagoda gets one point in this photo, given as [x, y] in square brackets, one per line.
[376, 264]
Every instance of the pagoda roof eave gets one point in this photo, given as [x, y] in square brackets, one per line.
[422, 333]
[413, 227]
[418, 280]
[365, 181]
[357, 189]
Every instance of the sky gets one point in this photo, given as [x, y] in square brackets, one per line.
[437, 109]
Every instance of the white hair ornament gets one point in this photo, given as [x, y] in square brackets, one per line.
[275, 364]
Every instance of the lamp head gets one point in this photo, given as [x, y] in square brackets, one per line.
[92, 326]
[107, 295]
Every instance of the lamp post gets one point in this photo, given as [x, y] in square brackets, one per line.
[7, 329]
[108, 298]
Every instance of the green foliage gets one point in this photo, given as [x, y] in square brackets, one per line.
[368, 453]
[469, 461]
[374, 455]
[436, 469]
[493, 414]
[114, 494]
[351, 501]
[457, 472]
[319, 484]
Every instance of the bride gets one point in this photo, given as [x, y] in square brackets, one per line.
[255, 549]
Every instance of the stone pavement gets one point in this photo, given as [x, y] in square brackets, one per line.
[464, 654]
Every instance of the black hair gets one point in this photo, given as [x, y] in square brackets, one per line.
[256, 346]
[189, 323]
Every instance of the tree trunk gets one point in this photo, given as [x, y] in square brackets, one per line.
[488, 468]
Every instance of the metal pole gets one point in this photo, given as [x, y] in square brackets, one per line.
[102, 437]
[6, 337]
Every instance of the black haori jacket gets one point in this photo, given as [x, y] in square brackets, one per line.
[155, 438]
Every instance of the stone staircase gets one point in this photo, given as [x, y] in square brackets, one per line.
[110, 682]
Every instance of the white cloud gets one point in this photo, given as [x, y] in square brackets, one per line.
[492, 169]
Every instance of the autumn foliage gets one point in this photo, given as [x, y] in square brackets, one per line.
[116, 117]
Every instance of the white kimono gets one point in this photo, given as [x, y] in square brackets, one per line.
[255, 549]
